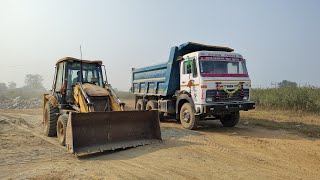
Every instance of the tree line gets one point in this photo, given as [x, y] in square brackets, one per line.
[31, 81]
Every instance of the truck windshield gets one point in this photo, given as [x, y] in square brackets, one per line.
[223, 68]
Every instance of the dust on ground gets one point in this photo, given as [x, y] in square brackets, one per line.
[251, 150]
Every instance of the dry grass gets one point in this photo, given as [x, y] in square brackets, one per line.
[288, 98]
[305, 123]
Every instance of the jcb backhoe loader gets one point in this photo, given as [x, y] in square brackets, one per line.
[87, 116]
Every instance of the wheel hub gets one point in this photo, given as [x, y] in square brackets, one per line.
[186, 116]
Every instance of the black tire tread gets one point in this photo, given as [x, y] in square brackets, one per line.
[230, 120]
[52, 120]
[64, 119]
[193, 122]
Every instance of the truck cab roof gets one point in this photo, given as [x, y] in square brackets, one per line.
[212, 53]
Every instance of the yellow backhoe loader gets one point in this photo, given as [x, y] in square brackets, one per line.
[86, 115]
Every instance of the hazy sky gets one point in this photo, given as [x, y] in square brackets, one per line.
[280, 39]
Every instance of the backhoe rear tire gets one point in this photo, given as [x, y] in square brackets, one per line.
[50, 120]
[141, 105]
[61, 129]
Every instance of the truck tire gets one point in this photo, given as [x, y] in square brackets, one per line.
[61, 128]
[152, 105]
[50, 120]
[187, 117]
[140, 106]
[230, 120]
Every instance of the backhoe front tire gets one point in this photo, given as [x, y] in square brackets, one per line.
[50, 120]
[230, 120]
[187, 117]
[62, 129]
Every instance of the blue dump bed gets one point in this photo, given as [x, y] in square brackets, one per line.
[164, 79]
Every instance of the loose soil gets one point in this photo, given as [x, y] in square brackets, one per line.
[264, 145]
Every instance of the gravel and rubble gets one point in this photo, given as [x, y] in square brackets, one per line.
[19, 103]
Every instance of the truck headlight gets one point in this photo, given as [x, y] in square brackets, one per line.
[245, 98]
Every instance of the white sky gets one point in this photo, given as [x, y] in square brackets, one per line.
[279, 39]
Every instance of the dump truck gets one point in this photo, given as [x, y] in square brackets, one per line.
[198, 82]
[86, 115]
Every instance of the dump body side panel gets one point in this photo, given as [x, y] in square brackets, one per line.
[159, 80]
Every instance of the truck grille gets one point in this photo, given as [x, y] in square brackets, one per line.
[225, 97]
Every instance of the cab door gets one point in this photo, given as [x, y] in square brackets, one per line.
[189, 77]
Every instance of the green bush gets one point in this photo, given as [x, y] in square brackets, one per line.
[291, 98]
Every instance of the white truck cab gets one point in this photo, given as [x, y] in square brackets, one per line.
[215, 77]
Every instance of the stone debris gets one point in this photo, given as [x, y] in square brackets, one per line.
[18, 103]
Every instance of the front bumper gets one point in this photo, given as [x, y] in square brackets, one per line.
[226, 107]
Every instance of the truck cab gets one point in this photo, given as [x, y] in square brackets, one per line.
[199, 82]
[218, 83]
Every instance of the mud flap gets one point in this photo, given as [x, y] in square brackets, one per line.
[100, 131]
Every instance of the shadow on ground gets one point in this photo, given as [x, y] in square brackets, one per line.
[257, 128]
[172, 137]
[308, 130]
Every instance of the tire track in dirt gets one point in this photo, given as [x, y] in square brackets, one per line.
[212, 152]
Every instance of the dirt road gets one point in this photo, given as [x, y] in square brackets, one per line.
[248, 151]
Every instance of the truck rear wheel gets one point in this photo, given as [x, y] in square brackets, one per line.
[152, 105]
[61, 128]
[140, 105]
[50, 120]
[187, 117]
[230, 120]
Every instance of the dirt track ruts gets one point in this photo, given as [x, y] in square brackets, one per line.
[244, 152]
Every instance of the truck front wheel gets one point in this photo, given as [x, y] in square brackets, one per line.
[187, 117]
[230, 120]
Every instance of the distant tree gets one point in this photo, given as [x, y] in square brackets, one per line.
[286, 83]
[3, 86]
[12, 85]
[34, 81]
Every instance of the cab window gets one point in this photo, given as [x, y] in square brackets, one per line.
[190, 66]
[59, 78]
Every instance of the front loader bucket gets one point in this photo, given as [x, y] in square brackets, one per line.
[99, 131]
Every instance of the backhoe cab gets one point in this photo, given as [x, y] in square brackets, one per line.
[81, 111]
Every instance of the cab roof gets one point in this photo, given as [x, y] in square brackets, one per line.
[75, 59]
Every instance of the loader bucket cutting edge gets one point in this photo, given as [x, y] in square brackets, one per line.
[100, 131]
